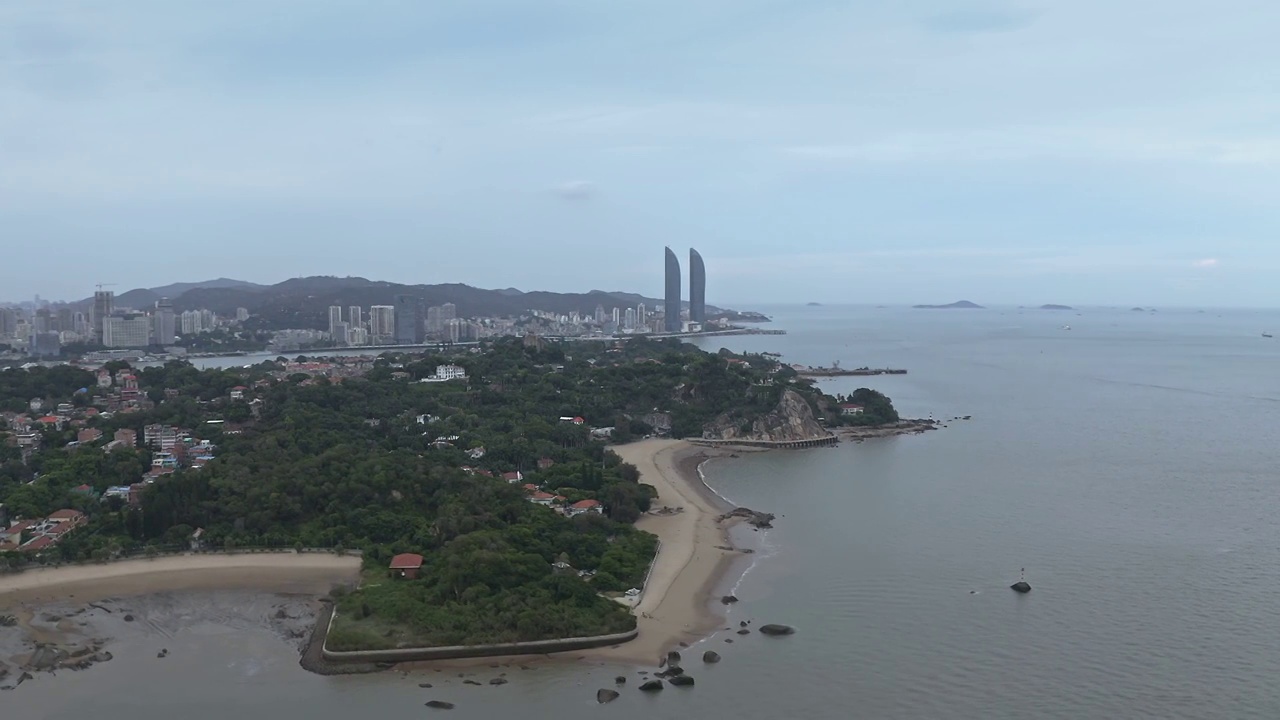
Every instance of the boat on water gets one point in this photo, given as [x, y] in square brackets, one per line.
[1066, 327]
[1265, 334]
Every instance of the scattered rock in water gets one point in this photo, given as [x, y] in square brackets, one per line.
[753, 517]
[742, 623]
[621, 680]
[711, 656]
[470, 682]
[728, 599]
[440, 704]
[744, 631]
[777, 630]
[128, 618]
[728, 640]
[424, 685]
[651, 686]
[683, 644]
[681, 681]
[103, 656]
[1020, 586]
[673, 658]
[498, 681]
[605, 695]
[164, 652]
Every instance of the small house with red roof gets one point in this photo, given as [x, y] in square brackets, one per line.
[542, 498]
[513, 477]
[585, 506]
[237, 392]
[406, 565]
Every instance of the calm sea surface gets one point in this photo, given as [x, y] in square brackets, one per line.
[1129, 464]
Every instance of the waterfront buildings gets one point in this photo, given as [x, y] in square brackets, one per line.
[103, 306]
[382, 326]
[408, 318]
[697, 288]
[671, 299]
[129, 330]
[164, 322]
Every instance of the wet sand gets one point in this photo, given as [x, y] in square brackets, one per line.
[284, 572]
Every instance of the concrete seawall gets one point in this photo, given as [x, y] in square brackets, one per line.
[459, 652]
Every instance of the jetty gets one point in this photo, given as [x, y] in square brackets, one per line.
[837, 371]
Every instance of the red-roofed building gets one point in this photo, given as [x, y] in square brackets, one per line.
[585, 506]
[237, 392]
[544, 463]
[513, 477]
[71, 516]
[37, 544]
[88, 435]
[530, 487]
[406, 565]
[542, 498]
[50, 420]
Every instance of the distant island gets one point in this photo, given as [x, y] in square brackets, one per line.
[958, 305]
[814, 304]
[1056, 307]
[1138, 309]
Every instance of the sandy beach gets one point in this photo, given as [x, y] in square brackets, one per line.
[676, 605]
[284, 572]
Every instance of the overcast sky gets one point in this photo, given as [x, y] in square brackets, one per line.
[1092, 151]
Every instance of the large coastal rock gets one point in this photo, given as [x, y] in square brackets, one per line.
[791, 420]
[773, 629]
[605, 695]
[651, 686]
[711, 656]
[1020, 586]
[753, 517]
[681, 681]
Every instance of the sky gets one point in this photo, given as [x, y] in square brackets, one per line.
[882, 151]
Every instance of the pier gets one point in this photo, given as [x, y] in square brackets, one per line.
[841, 372]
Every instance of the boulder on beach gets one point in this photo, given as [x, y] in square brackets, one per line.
[673, 658]
[470, 682]
[605, 695]
[621, 680]
[128, 618]
[774, 629]
[1020, 586]
[498, 681]
[651, 686]
[681, 681]
[424, 685]
[711, 656]
[729, 599]
[744, 631]
[440, 704]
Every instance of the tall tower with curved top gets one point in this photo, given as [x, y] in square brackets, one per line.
[671, 307]
[697, 288]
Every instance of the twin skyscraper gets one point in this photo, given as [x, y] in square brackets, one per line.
[697, 291]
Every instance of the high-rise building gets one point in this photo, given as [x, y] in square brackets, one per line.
[382, 324]
[671, 300]
[629, 320]
[642, 314]
[242, 314]
[697, 288]
[599, 316]
[66, 320]
[335, 317]
[617, 316]
[355, 318]
[164, 322]
[8, 322]
[130, 330]
[45, 344]
[104, 303]
[448, 311]
[434, 321]
[408, 316]
[339, 333]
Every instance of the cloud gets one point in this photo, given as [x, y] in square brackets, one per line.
[1206, 263]
[576, 190]
[979, 21]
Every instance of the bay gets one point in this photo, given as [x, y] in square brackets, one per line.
[1127, 463]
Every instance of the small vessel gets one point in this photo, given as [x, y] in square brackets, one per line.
[1066, 327]
[1266, 335]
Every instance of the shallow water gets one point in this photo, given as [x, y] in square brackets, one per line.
[1127, 464]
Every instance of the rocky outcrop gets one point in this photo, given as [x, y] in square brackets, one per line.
[681, 681]
[604, 695]
[777, 630]
[673, 657]
[791, 420]
[711, 656]
[651, 686]
[728, 599]
[440, 704]
[1020, 586]
[753, 517]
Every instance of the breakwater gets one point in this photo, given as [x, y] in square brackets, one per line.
[841, 372]
[776, 444]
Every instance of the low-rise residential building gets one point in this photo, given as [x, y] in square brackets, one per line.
[585, 506]
[851, 409]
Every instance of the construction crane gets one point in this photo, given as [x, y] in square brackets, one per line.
[102, 285]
